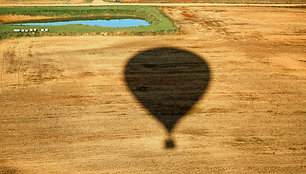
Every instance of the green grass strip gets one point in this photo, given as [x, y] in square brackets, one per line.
[160, 23]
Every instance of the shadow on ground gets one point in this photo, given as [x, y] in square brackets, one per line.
[168, 82]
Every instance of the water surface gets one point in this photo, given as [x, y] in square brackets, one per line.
[100, 23]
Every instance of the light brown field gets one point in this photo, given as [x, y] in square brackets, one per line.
[216, 1]
[14, 18]
[65, 107]
[30, 2]
[40, 2]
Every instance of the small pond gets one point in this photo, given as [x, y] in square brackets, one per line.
[100, 23]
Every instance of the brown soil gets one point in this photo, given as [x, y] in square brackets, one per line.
[65, 106]
[215, 1]
[14, 18]
[76, 1]
[31, 2]
[7, 2]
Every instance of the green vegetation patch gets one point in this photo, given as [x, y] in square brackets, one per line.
[160, 23]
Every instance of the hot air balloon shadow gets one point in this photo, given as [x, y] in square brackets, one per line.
[168, 82]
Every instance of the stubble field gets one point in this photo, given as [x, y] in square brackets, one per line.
[65, 106]
[216, 1]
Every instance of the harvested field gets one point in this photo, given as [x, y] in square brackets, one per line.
[31, 2]
[217, 1]
[14, 18]
[66, 108]
[45, 2]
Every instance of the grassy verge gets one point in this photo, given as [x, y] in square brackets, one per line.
[160, 23]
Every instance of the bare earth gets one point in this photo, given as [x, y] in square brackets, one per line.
[46, 2]
[6, 2]
[65, 107]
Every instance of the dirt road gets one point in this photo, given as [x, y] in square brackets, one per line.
[65, 106]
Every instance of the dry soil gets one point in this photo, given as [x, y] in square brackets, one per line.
[65, 106]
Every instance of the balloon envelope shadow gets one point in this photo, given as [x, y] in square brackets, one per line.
[168, 82]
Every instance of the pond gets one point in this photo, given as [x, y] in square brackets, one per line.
[100, 23]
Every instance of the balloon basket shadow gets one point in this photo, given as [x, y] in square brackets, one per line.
[169, 143]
